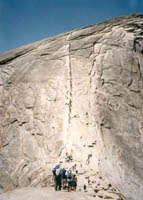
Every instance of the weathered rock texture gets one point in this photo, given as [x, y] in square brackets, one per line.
[80, 92]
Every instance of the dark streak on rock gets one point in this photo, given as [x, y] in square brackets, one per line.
[71, 86]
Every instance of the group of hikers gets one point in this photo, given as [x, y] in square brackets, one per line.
[64, 179]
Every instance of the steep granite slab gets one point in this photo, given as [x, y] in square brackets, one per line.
[78, 92]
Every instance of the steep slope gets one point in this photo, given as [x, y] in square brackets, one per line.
[81, 93]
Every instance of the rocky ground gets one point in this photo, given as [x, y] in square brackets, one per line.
[49, 194]
[97, 188]
[96, 185]
[44, 194]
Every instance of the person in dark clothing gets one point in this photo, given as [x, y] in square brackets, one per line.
[63, 178]
[69, 180]
[58, 182]
[57, 177]
[74, 182]
[84, 187]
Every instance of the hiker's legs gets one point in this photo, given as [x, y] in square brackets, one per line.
[56, 186]
[59, 182]
[69, 186]
[63, 183]
[75, 188]
[56, 183]
[60, 185]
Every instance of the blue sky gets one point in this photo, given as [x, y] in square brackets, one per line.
[27, 21]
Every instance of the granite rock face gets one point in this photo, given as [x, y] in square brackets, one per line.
[80, 92]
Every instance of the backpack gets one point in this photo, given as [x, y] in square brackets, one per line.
[69, 176]
[57, 171]
[57, 166]
[63, 173]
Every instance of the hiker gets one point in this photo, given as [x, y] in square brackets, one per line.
[57, 176]
[63, 178]
[54, 169]
[68, 158]
[88, 159]
[74, 168]
[69, 179]
[74, 182]
[58, 179]
[84, 187]
[88, 181]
